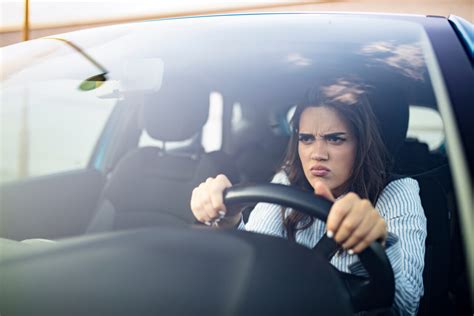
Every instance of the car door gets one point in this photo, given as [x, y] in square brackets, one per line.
[51, 206]
[51, 122]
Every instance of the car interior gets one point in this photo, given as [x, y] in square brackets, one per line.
[258, 143]
[114, 220]
[144, 177]
[149, 176]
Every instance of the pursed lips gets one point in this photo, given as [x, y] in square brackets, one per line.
[319, 171]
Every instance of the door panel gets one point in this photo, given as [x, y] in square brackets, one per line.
[50, 207]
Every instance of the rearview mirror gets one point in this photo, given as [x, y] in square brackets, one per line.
[93, 82]
[141, 75]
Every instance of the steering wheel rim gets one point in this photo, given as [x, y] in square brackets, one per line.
[375, 292]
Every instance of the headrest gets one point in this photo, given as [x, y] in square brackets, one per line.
[176, 113]
[392, 112]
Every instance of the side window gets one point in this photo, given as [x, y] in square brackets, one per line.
[48, 127]
[425, 124]
[211, 132]
[51, 115]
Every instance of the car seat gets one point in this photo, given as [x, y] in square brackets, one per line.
[413, 159]
[431, 171]
[259, 141]
[152, 185]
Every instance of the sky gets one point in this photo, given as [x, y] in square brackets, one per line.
[45, 12]
[57, 11]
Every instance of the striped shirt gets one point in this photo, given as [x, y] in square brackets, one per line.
[400, 205]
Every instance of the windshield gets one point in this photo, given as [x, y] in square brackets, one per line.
[50, 123]
[47, 123]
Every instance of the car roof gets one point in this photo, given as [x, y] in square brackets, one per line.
[333, 13]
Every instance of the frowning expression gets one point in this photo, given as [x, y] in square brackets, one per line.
[326, 147]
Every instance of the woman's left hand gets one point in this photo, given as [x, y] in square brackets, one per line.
[353, 222]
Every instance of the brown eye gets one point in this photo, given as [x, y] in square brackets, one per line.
[335, 139]
[306, 138]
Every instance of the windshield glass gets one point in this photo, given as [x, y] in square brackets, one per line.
[51, 124]
[48, 124]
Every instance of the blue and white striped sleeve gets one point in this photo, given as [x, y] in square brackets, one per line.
[266, 218]
[400, 205]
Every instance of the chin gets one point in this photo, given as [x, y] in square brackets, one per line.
[327, 182]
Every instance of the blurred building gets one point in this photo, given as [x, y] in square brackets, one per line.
[51, 17]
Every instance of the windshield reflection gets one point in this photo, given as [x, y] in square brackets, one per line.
[298, 60]
[407, 59]
[346, 91]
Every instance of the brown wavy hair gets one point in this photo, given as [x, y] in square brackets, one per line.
[370, 171]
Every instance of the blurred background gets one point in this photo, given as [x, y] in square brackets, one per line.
[48, 17]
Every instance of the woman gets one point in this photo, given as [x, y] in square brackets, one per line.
[336, 151]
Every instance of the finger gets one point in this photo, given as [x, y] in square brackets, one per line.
[203, 218]
[212, 197]
[216, 192]
[339, 211]
[366, 225]
[201, 203]
[378, 230]
[351, 222]
[210, 213]
[193, 202]
[196, 205]
[321, 189]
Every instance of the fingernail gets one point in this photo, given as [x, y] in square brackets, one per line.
[330, 234]
[217, 220]
[207, 223]
[222, 213]
[350, 252]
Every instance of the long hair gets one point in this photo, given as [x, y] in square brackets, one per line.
[370, 169]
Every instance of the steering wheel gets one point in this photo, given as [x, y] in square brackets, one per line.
[377, 291]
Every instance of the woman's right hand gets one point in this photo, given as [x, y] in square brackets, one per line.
[207, 203]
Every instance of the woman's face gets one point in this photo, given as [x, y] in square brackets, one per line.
[326, 148]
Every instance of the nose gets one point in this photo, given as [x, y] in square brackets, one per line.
[319, 150]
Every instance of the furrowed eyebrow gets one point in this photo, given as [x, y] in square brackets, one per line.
[325, 135]
[335, 134]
